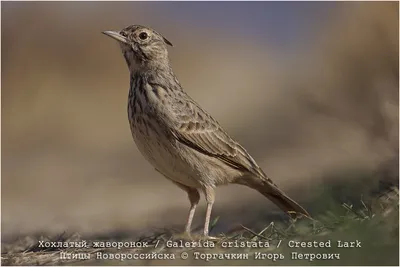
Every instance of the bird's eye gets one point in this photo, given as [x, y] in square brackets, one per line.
[143, 35]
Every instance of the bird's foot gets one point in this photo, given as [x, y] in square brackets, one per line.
[194, 237]
[185, 236]
[212, 238]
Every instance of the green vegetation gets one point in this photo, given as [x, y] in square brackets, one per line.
[371, 223]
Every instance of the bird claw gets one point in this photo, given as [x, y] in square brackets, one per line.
[212, 238]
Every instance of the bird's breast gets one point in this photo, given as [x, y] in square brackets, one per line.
[158, 147]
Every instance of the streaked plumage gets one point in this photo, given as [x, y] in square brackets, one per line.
[181, 140]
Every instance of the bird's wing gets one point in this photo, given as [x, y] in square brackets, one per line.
[198, 130]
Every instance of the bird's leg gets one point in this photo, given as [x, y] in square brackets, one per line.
[210, 197]
[194, 198]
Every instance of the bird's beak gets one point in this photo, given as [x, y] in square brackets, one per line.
[116, 36]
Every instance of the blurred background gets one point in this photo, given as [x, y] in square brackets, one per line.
[309, 88]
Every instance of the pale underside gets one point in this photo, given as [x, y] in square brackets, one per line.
[187, 145]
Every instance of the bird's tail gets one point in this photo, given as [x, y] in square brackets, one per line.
[267, 188]
[291, 207]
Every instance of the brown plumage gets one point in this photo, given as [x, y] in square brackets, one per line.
[181, 140]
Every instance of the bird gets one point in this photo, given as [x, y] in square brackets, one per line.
[178, 137]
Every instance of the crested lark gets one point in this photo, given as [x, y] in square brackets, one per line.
[180, 139]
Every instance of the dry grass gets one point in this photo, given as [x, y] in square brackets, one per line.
[374, 224]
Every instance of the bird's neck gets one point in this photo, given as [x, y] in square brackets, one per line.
[161, 76]
[145, 66]
[151, 72]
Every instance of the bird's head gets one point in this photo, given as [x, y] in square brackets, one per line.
[142, 47]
